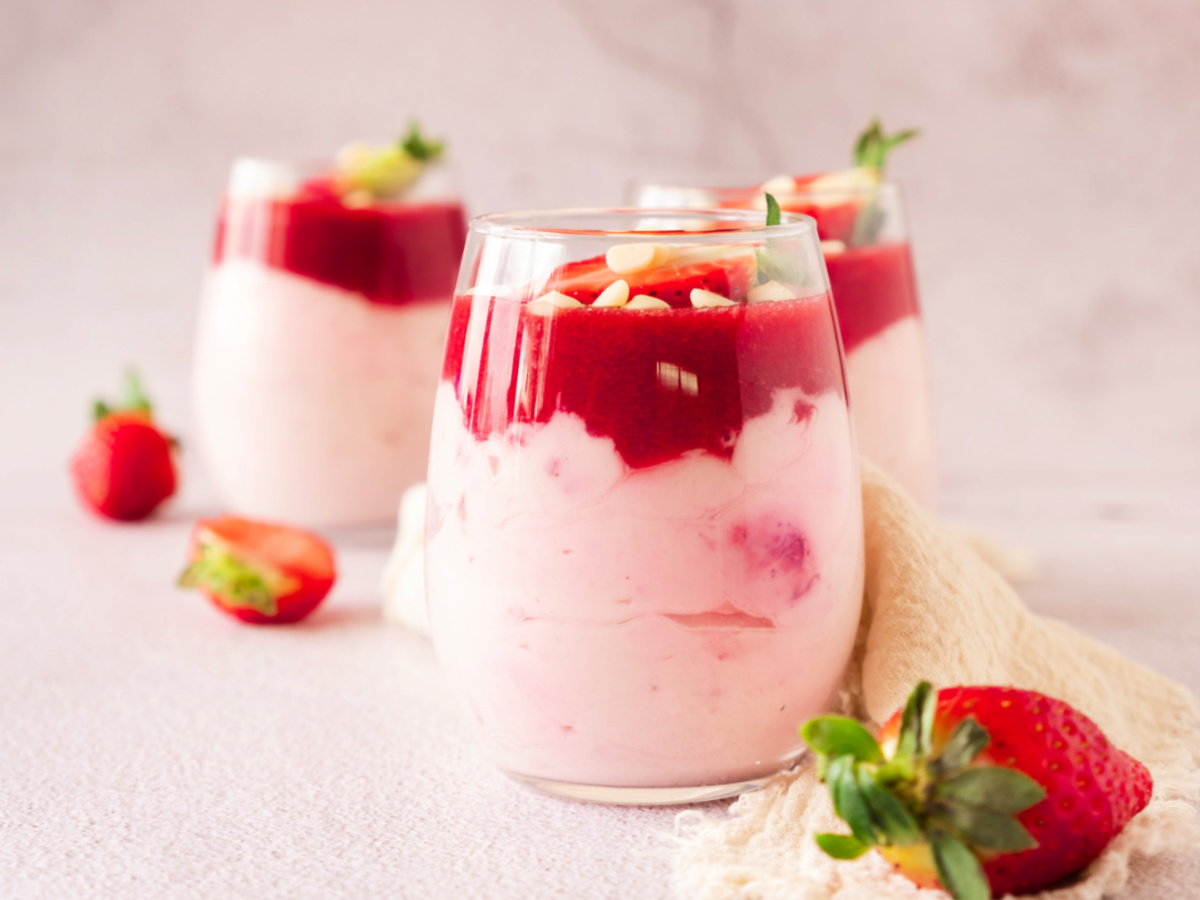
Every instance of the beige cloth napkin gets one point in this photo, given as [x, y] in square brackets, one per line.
[934, 609]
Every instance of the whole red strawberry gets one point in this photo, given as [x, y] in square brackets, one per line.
[259, 572]
[983, 791]
[125, 466]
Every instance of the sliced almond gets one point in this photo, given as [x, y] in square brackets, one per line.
[780, 184]
[833, 247]
[702, 299]
[616, 294]
[845, 186]
[645, 301]
[546, 304]
[624, 259]
[769, 290]
[358, 199]
[686, 256]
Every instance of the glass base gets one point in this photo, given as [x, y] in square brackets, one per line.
[638, 796]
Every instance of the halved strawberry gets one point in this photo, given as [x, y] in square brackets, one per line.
[726, 270]
[259, 572]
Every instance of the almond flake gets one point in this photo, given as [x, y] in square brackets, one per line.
[645, 301]
[780, 184]
[702, 299]
[616, 294]
[546, 304]
[625, 259]
[770, 290]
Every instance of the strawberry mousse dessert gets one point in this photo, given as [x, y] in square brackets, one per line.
[321, 331]
[869, 260]
[644, 553]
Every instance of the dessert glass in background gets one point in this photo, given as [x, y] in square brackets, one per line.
[321, 331]
[644, 539]
[869, 260]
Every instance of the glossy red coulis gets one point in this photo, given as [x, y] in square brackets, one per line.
[872, 287]
[390, 253]
[658, 382]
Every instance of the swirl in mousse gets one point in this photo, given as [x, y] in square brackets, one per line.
[869, 260]
[644, 537]
[321, 331]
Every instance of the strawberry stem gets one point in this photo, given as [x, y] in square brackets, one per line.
[873, 146]
[133, 399]
[774, 216]
[233, 582]
[419, 147]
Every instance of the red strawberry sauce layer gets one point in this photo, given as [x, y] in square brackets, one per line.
[390, 253]
[659, 383]
[872, 287]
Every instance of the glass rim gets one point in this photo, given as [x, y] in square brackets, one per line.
[722, 189]
[743, 224]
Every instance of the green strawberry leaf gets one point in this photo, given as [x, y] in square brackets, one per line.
[984, 828]
[839, 736]
[233, 581]
[841, 846]
[958, 870]
[774, 216]
[991, 787]
[965, 743]
[848, 801]
[889, 813]
[419, 147]
[873, 146]
[134, 398]
[916, 725]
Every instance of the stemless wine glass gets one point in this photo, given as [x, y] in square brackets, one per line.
[644, 541]
[866, 247]
[320, 340]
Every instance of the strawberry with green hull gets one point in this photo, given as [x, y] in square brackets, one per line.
[125, 467]
[982, 791]
[259, 572]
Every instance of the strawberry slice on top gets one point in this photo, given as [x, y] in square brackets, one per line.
[671, 274]
[259, 572]
[836, 198]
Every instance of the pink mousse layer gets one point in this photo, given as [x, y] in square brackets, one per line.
[624, 600]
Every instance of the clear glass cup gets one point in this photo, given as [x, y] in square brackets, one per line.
[644, 552]
[320, 340]
[869, 260]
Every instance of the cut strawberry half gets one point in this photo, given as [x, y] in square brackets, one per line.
[724, 270]
[259, 572]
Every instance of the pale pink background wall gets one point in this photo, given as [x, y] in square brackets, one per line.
[1052, 196]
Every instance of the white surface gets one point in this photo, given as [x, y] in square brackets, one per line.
[151, 748]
